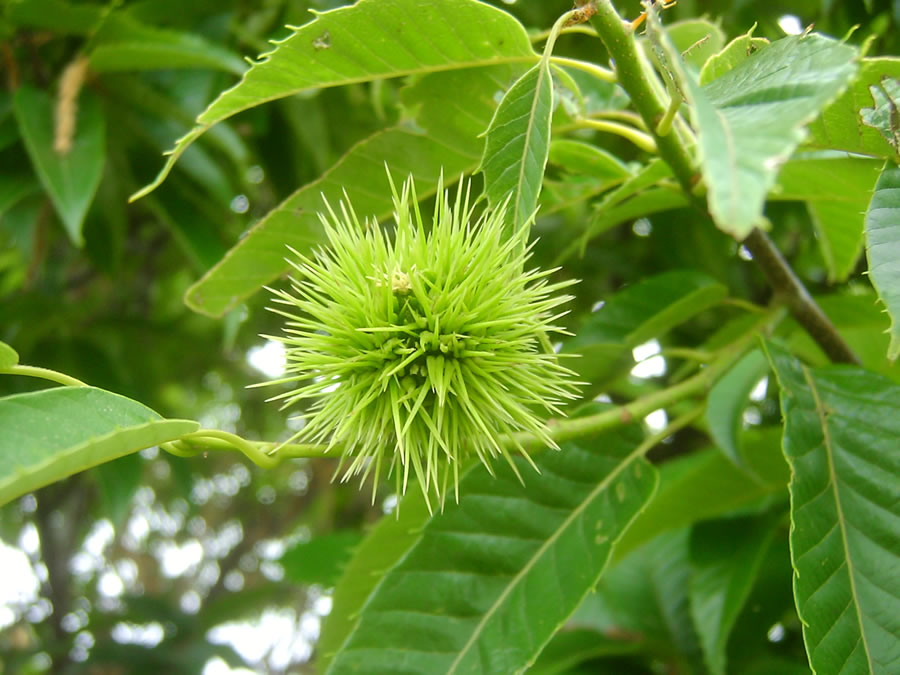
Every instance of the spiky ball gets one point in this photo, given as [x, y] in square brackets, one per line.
[417, 351]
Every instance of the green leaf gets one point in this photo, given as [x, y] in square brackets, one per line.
[586, 160]
[885, 116]
[57, 16]
[124, 44]
[649, 175]
[8, 356]
[14, 187]
[402, 37]
[837, 191]
[751, 119]
[707, 485]
[644, 599]
[840, 438]
[320, 560]
[728, 399]
[518, 144]
[883, 247]
[568, 648]
[734, 54]
[383, 548]
[70, 179]
[697, 39]
[840, 126]
[51, 434]
[450, 144]
[725, 559]
[481, 590]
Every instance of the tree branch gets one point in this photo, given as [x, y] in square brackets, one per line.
[618, 37]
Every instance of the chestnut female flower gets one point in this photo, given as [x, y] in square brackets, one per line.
[415, 352]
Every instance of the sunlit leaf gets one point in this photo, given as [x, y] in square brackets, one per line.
[840, 438]
[51, 434]
[450, 145]
[8, 356]
[402, 37]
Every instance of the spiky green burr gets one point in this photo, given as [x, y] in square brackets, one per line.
[415, 352]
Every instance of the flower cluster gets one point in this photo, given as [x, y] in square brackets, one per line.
[415, 352]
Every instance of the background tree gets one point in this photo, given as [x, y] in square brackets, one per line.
[158, 561]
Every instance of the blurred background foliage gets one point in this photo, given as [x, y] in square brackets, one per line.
[155, 562]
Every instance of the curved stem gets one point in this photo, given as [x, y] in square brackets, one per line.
[44, 374]
[602, 74]
[638, 83]
[639, 138]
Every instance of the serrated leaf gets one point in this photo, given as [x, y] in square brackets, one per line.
[481, 590]
[450, 144]
[840, 126]
[837, 191]
[51, 434]
[70, 179]
[840, 438]
[518, 144]
[735, 53]
[322, 559]
[384, 546]
[728, 399]
[751, 119]
[885, 116]
[8, 356]
[883, 247]
[707, 485]
[401, 37]
[725, 558]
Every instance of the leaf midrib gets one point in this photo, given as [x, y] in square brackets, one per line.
[577, 511]
[829, 454]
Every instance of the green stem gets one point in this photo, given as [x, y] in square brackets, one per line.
[602, 74]
[44, 374]
[258, 452]
[638, 82]
[639, 138]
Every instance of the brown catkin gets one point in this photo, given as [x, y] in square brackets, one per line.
[67, 104]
